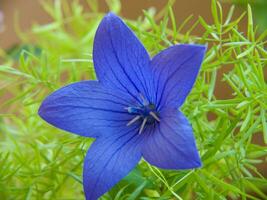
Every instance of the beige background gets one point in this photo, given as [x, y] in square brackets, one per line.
[28, 12]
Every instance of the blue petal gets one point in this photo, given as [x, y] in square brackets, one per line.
[175, 70]
[171, 144]
[120, 59]
[86, 108]
[109, 159]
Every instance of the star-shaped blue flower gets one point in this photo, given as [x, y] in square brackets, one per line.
[132, 110]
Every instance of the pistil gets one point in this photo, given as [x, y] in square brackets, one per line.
[145, 113]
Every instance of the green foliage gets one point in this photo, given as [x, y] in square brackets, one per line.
[38, 161]
[259, 8]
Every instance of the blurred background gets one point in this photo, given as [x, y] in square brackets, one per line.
[28, 12]
[18, 16]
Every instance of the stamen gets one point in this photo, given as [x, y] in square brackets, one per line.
[133, 120]
[154, 115]
[145, 112]
[143, 125]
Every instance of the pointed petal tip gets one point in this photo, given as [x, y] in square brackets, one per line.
[44, 113]
[198, 164]
[111, 18]
[111, 15]
[203, 47]
[41, 110]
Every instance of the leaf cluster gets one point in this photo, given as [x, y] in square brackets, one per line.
[38, 161]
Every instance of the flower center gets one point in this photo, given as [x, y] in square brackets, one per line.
[145, 113]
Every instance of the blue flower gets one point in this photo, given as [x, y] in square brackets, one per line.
[132, 110]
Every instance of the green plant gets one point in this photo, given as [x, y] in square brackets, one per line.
[38, 161]
[259, 10]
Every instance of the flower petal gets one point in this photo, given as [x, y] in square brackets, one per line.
[171, 144]
[120, 59]
[87, 109]
[175, 70]
[108, 160]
